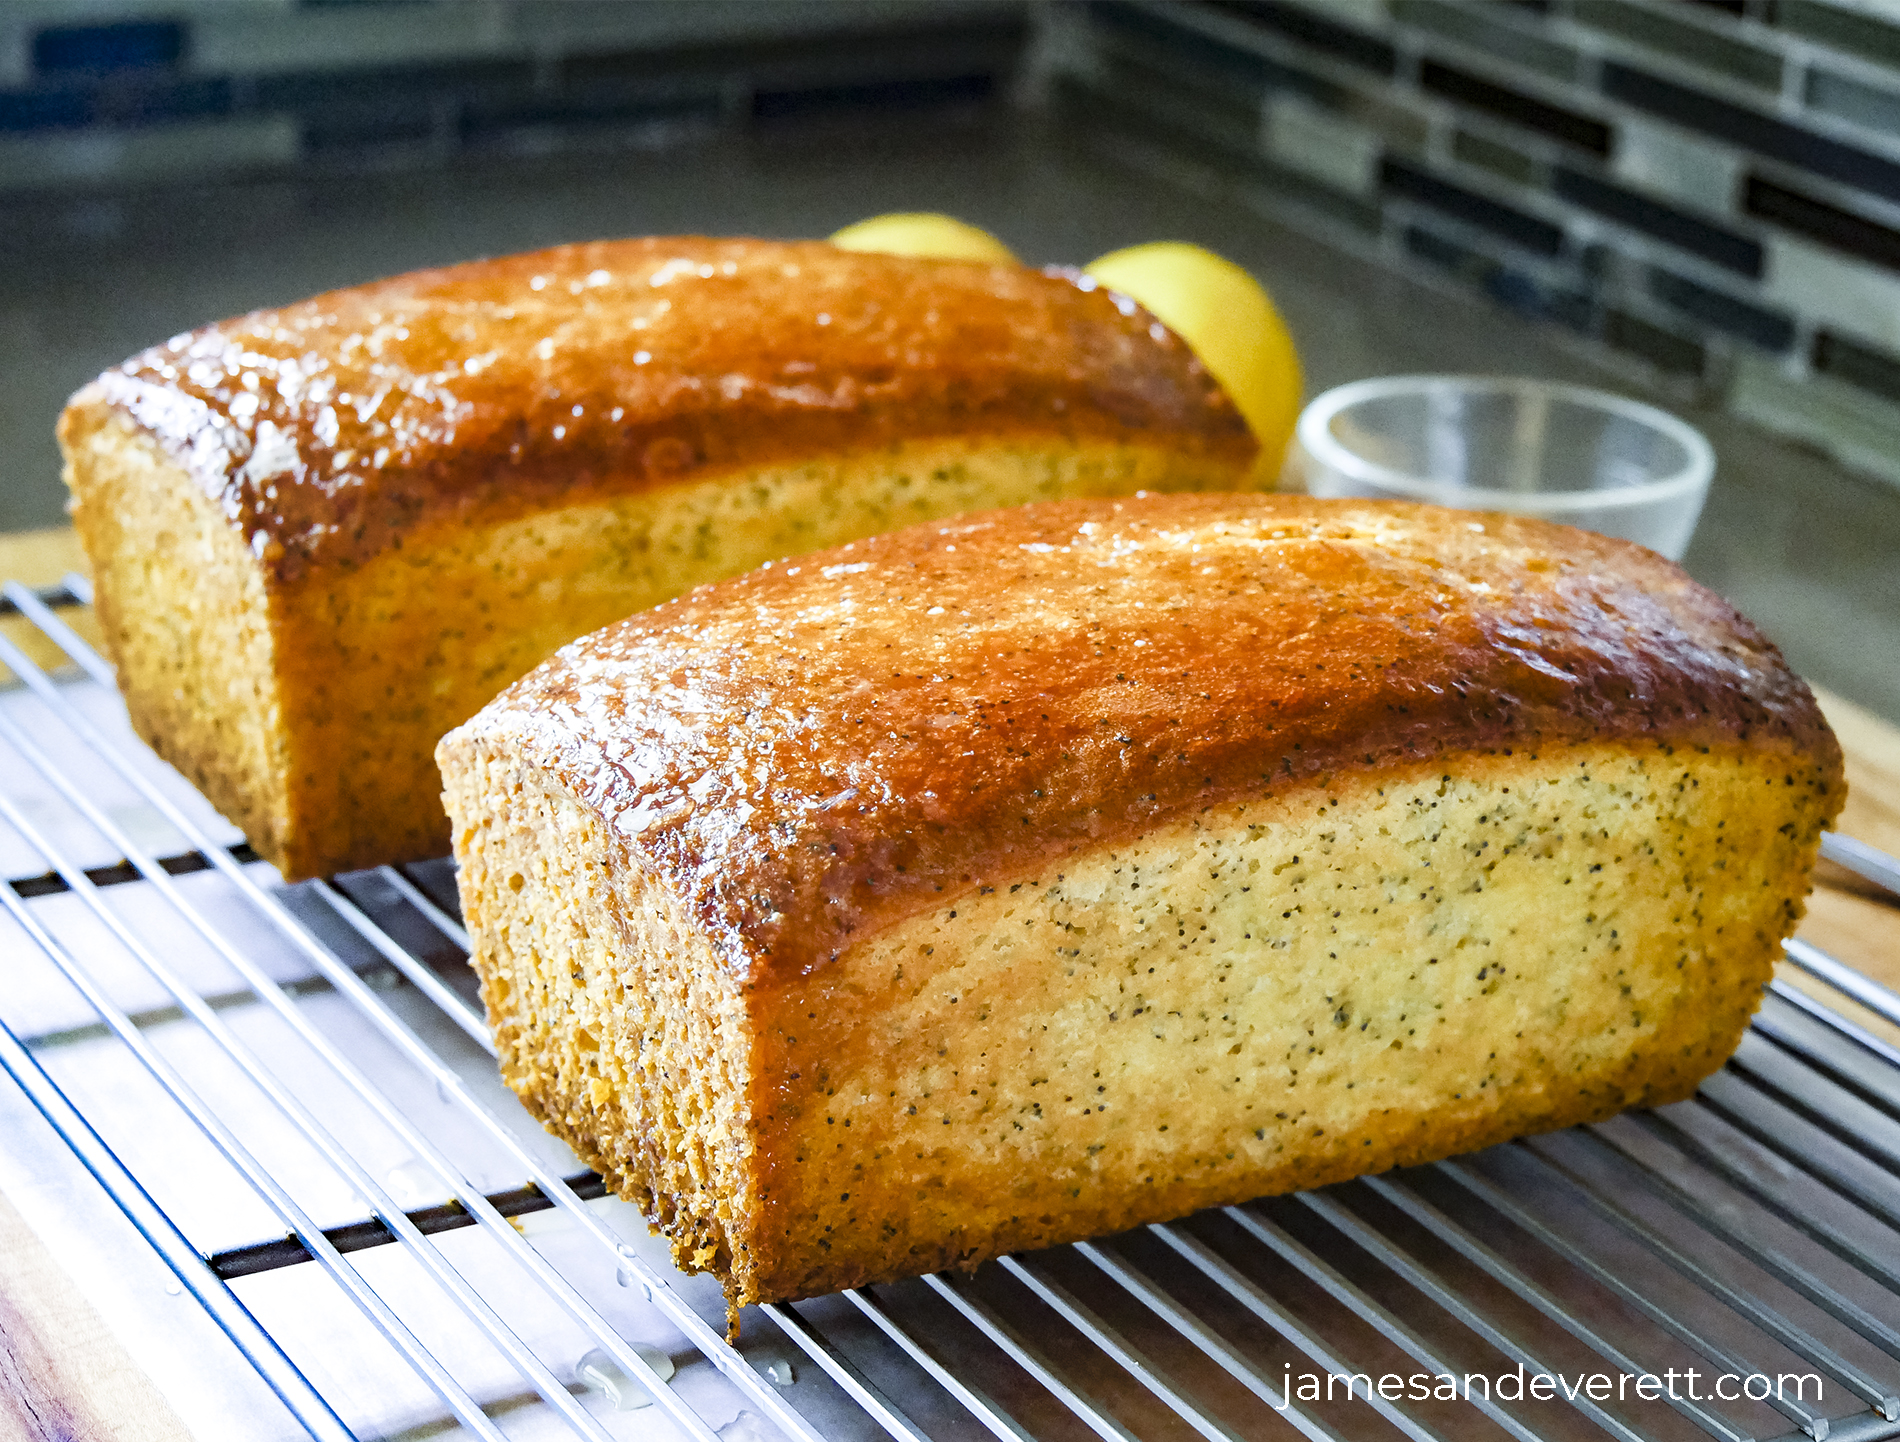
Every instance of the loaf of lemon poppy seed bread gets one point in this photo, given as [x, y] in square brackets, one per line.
[323, 535]
[1044, 873]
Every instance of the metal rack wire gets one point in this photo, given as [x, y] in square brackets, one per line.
[291, 1040]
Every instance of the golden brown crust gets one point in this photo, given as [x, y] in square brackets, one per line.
[328, 429]
[873, 726]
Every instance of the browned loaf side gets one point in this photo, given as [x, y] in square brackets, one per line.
[1041, 874]
[324, 535]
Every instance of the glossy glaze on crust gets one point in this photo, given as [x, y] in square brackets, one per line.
[815, 750]
[330, 428]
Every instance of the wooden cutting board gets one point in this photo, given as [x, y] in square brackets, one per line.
[50, 1338]
[63, 1375]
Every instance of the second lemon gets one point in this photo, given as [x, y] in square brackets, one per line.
[1228, 319]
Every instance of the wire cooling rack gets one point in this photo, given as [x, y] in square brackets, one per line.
[289, 1093]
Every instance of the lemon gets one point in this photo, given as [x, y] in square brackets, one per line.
[922, 233]
[1228, 320]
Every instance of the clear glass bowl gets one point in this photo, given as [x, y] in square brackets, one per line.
[1500, 443]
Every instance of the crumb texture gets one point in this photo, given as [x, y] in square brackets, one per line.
[187, 621]
[614, 1026]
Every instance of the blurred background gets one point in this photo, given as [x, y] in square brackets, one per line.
[1698, 203]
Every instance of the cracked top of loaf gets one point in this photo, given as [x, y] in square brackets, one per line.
[330, 428]
[830, 744]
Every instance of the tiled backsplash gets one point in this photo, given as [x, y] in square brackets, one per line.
[1709, 192]
[117, 92]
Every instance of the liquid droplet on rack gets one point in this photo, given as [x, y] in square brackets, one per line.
[628, 1272]
[411, 1184]
[601, 1373]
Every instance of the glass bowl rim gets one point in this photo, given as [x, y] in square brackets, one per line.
[1314, 432]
